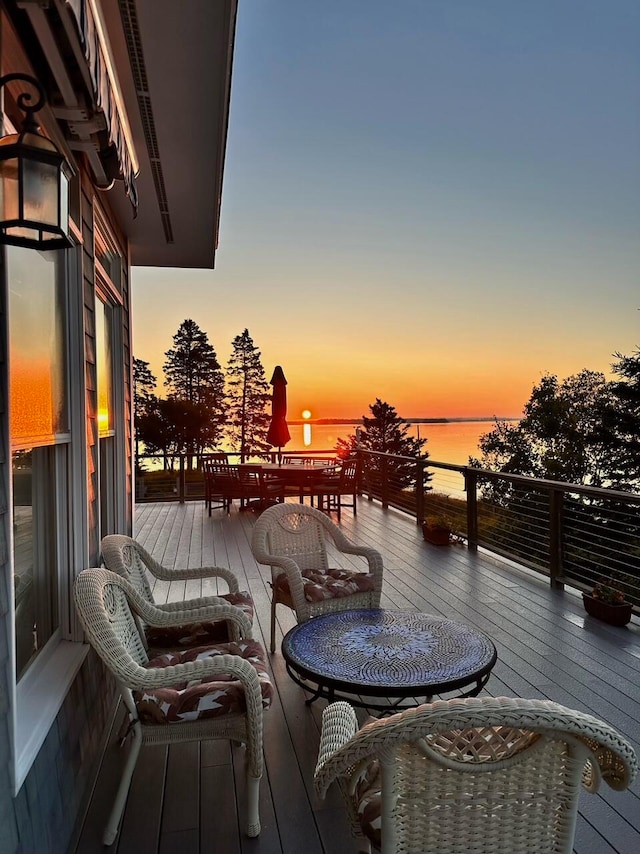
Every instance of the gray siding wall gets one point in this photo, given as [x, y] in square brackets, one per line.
[44, 817]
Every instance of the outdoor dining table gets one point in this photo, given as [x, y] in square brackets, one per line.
[298, 476]
[407, 657]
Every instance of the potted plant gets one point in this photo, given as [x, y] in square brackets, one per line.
[437, 530]
[607, 600]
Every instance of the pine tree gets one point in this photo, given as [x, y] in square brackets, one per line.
[387, 433]
[247, 399]
[193, 374]
[144, 400]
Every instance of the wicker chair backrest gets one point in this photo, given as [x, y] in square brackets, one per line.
[106, 616]
[300, 536]
[124, 556]
[491, 774]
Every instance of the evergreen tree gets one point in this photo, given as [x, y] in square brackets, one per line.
[624, 422]
[144, 400]
[247, 399]
[193, 375]
[387, 433]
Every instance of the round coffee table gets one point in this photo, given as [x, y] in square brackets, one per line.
[387, 653]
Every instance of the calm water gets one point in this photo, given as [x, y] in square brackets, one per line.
[451, 442]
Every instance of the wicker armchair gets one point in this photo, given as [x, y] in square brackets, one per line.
[126, 557]
[214, 692]
[492, 776]
[292, 540]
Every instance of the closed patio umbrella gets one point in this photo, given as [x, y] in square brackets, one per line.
[278, 434]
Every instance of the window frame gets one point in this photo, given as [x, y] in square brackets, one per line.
[38, 696]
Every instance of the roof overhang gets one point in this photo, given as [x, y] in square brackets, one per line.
[143, 87]
[174, 64]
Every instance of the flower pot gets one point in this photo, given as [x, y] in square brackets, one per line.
[436, 535]
[614, 613]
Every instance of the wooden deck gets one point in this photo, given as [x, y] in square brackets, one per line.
[188, 798]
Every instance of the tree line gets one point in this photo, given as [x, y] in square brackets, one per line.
[204, 405]
[584, 429]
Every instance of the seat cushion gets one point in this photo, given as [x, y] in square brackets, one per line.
[212, 697]
[199, 634]
[368, 803]
[332, 584]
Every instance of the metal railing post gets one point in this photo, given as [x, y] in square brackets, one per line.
[385, 482]
[555, 539]
[181, 481]
[471, 487]
[419, 491]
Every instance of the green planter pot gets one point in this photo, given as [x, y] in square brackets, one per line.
[610, 612]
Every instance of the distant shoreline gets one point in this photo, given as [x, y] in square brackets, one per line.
[407, 420]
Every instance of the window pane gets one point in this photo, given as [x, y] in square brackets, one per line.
[105, 370]
[35, 549]
[37, 347]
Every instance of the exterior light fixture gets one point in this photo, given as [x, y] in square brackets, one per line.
[34, 180]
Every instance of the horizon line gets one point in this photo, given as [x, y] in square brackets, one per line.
[407, 420]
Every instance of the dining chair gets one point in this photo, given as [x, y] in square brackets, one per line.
[126, 557]
[337, 485]
[488, 775]
[216, 481]
[292, 539]
[192, 695]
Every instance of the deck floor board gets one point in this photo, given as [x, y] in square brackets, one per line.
[190, 798]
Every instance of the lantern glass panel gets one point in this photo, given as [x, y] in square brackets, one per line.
[64, 201]
[9, 189]
[40, 192]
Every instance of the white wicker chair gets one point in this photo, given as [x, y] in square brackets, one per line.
[292, 540]
[106, 605]
[126, 557]
[492, 776]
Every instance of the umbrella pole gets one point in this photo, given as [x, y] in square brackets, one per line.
[279, 455]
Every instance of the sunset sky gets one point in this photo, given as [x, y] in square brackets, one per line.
[433, 202]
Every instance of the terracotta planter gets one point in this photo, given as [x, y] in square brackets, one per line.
[616, 614]
[435, 535]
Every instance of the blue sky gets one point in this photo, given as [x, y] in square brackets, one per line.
[431, 201]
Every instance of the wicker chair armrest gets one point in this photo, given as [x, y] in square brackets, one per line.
[229, 576]
[215, 610]
[372, 556]
[294, 577]
[192, 604]
[113, 546]
[175, 614]
[339, 725]
[191, 671]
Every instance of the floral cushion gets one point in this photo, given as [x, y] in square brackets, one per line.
[199, 634]
[217, 695]
[329, 584]
[368, 799]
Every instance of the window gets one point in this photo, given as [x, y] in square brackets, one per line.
[39, 434]
[106, 432]
[46, 659]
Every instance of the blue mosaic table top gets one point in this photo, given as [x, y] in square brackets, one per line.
[387, 650]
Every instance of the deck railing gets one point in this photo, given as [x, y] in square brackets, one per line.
[573, 534]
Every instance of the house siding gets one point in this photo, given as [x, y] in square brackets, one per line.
[45, 816]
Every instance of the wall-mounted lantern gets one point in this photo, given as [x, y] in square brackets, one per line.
[34, 180]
